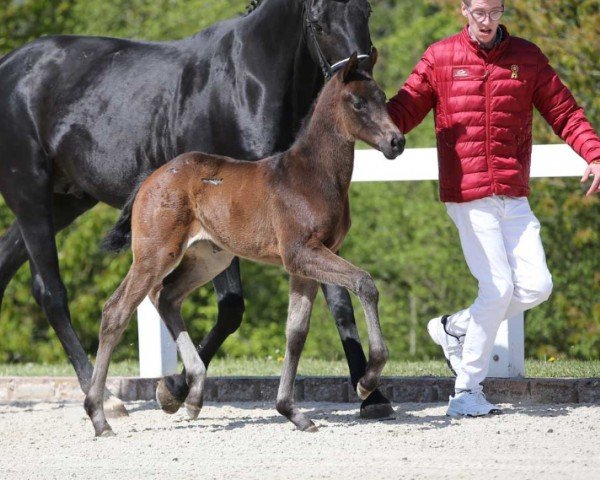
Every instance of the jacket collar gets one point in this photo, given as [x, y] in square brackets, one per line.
[475, 47]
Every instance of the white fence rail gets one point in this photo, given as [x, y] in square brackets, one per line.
[158, 354]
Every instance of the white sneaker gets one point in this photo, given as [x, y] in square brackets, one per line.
[471, 404]
[451, 344]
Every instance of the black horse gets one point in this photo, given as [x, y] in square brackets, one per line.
[84, 118]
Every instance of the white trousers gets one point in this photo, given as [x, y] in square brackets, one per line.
[500, 238]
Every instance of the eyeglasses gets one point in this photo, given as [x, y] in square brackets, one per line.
[480, 15]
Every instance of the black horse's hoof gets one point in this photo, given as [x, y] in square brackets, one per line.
[171, 392]
[376, 406]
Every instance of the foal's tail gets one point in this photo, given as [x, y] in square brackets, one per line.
[119, 237]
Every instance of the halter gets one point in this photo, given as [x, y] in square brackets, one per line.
[327, 69]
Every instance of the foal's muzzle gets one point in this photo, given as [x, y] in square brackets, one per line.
[392, 145]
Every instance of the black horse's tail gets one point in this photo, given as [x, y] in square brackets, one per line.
[119, 237]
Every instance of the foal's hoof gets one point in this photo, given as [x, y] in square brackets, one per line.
[107, 432]
[362, 392]
[376, 406]
[171, 392]
[311, 429]
[193, 411]
[114, 408]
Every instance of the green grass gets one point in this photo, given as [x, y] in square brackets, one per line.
[310, 366]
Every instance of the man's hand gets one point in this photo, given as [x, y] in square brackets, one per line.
[593, 170]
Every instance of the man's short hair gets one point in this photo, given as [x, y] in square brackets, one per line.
[468, 2]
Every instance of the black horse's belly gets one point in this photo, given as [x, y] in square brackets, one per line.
[106, 156]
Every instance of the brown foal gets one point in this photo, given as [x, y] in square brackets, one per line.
[194, 214]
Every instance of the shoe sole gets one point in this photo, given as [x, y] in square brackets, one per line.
[494, 411]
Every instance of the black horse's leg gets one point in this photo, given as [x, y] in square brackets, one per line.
[340, 305]
[13, 254]
[44, 283]
[38, 233]
[173, 390]
[38, 219]
[230, 298]
[65, 209]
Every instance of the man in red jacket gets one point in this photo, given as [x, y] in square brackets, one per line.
[483, 84]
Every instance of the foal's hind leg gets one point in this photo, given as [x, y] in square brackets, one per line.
[199, 265]
[302, 295]
[173, 389]
[115, 318]
[375, 405]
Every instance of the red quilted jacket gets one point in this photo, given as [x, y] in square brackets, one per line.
[483, 112]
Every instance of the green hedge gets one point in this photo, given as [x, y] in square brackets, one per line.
[401, 233]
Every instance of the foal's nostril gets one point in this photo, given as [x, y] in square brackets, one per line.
[397, 143]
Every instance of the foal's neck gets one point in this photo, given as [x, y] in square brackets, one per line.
[323, 145]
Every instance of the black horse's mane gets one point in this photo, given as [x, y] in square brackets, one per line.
[253, 5]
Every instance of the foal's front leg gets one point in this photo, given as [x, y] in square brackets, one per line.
[340, 305]
[321, 264]
[302, 295]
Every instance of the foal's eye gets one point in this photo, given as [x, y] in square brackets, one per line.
[358, 105]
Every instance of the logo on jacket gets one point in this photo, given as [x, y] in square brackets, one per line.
[460, 72]
[515, 71]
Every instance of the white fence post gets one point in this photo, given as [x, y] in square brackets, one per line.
[508, 355]
[158, 354]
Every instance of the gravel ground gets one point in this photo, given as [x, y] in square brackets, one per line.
[251, 441]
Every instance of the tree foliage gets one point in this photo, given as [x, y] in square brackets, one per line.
[400, 233]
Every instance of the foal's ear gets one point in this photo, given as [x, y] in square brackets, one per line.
[350, 67]
[372, 60]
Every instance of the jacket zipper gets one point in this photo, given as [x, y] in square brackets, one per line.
[488, 126]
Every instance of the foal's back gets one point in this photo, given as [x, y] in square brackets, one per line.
[199, 196]
[247, 208]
